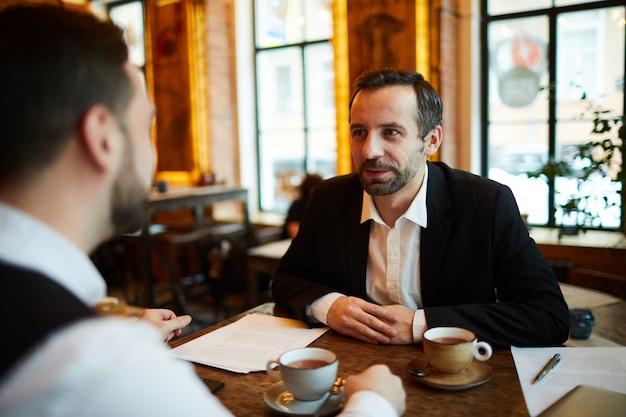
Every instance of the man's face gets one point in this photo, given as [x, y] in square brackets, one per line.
[130, 190]
[384, 136]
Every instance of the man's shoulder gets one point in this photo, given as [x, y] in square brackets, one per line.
[457, 178]
[341, 183]
[336, 194]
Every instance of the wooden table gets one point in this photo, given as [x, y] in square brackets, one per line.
[500, 396]
[263, 259]
[181, 198]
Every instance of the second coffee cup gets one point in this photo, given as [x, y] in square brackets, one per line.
[308, 373]
[451, 350]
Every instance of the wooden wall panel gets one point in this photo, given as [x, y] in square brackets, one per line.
[222, 91]
[381, 33]
[445, 75]
[170, 63]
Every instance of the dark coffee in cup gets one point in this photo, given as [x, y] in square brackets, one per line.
[450, 340]
[308, 373]
[308, 364]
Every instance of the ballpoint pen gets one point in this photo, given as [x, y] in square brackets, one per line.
[549, 366]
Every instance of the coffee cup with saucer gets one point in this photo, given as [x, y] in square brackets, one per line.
[307, 377]
[453, 359]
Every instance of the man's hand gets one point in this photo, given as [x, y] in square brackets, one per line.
[362, 320]
[379, 379]
[166, 321]
[403, 325]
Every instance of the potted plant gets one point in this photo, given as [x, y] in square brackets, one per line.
[596, 168]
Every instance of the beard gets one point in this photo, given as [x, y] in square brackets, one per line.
[381, 187]
[129, 201]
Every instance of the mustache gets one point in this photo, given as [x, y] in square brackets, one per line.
[377, 164]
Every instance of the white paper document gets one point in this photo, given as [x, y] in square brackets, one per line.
[602, 367]
[247, 344]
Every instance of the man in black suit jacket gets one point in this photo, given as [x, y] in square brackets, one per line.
[425, 245]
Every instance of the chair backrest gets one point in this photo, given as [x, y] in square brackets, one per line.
[597, 280]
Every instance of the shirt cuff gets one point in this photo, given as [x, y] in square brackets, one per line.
[368, 404]
[318, 310]
[419, 325]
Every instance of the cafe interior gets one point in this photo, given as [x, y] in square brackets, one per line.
[252, 95]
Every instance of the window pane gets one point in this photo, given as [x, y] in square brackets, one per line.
[318, 16]
[496, 7]
[281, 164]
[296, 98]
[320, 85]
[590, 64]
[517, 67]
[279, 86]
[320, 105]
[518, 110]
[278, 22]
[320, 102]
[518, 148]
[129, 17]
[570, 2]
[322, 156]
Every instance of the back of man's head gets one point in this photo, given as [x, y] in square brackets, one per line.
[54, 65]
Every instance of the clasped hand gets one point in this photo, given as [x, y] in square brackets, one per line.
[372, 323]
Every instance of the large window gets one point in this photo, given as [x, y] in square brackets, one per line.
[295, 96]
[553, 67]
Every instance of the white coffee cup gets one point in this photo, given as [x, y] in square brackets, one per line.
[451, 349]
[308, 373]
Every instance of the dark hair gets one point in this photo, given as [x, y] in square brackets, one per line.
[55, 64]
[429, 106]
[308, 183]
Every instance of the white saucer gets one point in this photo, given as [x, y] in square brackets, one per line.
[279, 399]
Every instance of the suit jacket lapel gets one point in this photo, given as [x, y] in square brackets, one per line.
[435, 236]
[357, 240]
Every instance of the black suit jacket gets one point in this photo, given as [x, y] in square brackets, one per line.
[479, 267]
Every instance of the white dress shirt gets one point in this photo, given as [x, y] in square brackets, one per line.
[393, 273]
[99, 367]
[104, 366]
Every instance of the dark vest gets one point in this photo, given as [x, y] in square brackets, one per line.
[31, 307]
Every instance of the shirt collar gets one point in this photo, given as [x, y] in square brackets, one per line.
[416, 212]
[29, 243]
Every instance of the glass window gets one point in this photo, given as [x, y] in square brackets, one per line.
[129, 17]
[498, 7]
[295, 96]
[544, 116]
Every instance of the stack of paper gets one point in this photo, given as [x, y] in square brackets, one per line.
[601, 367]
[247, 344]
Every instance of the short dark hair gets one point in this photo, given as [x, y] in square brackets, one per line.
[55, 64]
[429, 107]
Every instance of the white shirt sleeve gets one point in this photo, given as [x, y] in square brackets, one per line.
[366, 404]
[419, 325]
[79, 370]
[319, 308]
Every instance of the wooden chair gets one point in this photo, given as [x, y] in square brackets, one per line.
[192, 262]
[602, 281]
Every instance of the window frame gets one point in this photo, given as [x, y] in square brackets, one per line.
[552, 14]
[302, 46]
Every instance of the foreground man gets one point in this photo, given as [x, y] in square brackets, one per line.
[76, 162]
[406, 244]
